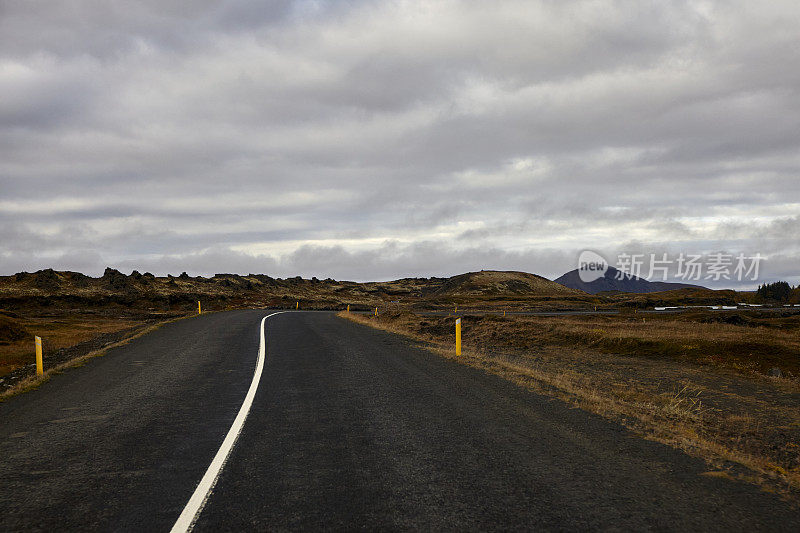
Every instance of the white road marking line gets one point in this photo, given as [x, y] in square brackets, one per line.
[198, 500]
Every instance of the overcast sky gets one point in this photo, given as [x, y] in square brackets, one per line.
[372, 140]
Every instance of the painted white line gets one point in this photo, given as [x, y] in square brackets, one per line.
[195, 505]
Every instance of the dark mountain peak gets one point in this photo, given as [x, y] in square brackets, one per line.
[616, 280]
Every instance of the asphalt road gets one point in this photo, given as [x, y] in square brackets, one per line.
[350, 428]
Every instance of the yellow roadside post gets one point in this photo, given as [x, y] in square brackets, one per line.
[348, 308]
[456, 308]
[39, 362]
[504, 313]
[199, 308]
[376, 311]
[458, 336]
[297, 306]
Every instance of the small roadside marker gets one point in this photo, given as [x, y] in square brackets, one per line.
[39, 362]
[458, 336]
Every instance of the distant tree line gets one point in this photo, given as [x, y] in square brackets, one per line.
[780, 291]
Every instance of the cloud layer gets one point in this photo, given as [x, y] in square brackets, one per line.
[378, 139]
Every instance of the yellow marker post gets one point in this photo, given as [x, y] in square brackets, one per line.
[39, 362]
[456, 308]
[504, 312]
[376, 311]
[199, 308]
[348, 308]
[458, 336]
[297, 306]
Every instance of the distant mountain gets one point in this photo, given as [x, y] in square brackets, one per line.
[609, 282]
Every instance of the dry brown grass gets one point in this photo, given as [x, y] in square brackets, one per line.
[743, 348]
[670, 380]
[748, 349]
[56, 333]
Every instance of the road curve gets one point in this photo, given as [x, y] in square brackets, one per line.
[349, 428]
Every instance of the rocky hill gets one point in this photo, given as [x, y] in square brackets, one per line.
[59, 289]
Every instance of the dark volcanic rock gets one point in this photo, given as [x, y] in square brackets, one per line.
[116, 280]
[47, 279]
[142, 279]
[235, 277]
[78, 279]
[264, 279]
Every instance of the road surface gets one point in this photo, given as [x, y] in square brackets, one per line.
[350, 428]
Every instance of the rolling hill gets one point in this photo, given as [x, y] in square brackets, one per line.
[509, 284]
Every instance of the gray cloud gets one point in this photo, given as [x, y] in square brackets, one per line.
[368, 140]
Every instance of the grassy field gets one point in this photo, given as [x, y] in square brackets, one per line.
[756, 345]
[690, 380]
